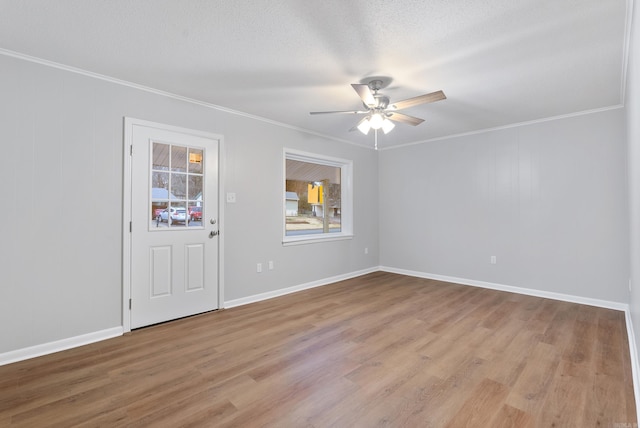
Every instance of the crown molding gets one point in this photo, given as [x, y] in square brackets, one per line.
[513, 125]
[162, 93]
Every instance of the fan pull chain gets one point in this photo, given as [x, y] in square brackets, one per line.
[375, 139]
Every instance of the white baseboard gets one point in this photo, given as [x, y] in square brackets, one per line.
[289, 290]
[85, 339]
[635, 367]
[59, 345]
[511, 289]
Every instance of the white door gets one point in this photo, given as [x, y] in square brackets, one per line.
[174, 224]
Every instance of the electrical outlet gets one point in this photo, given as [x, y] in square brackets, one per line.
[259, 268]
[270, 264]
[231, 198]
[366, 250]
[494, 260]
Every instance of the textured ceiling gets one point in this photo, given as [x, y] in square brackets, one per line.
[499, 62]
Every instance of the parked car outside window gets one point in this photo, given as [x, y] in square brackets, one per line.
[176, 214]
[195, 213]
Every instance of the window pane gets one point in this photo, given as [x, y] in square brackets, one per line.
[178, 159]
[177, 180]
[175, 215]
[157, 208]
[179, 186]
[195, 187]
[195, 214]
[161, 156]
[160, 185]
[313, 198]
[195, 161]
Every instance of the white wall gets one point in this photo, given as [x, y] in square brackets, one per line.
[61, 142]
[549, 200]
[632, 101]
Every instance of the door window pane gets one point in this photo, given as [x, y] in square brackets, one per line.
[177, 180]
[195, 187]
[195, 161]
[161, 156]
[178, 158]
[179, 186]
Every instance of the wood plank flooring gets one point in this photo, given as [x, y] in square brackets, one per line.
[378, 350]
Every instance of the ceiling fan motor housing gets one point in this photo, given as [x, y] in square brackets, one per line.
[382, 101]
[375, 85]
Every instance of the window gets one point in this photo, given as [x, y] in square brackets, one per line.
[176, 187]
[317, 198]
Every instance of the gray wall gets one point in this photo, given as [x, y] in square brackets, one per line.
[633, 138]
[61, 137]
[549, 200]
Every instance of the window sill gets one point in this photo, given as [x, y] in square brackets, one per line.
[302, 240]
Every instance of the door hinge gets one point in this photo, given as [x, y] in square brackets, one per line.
[131, 150]
[130, 227]
[129, 304]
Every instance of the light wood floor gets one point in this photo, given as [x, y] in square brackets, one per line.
[378, 350]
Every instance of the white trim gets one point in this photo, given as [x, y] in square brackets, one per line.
[314, 239]
[310, 157]
[444, 278]
[58, 345]
[129, 123]
[52, 64]
[64, 344]
[626, 47]
[509, 126]
[127, 193]
[635, 365]
[512, 289]
[284, 291]
[222, 153]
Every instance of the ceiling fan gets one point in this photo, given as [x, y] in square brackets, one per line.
[380, 112]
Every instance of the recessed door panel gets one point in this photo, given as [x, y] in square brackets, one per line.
[160, 276]
[195, 267]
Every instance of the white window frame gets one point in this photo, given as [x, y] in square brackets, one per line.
[346, 197]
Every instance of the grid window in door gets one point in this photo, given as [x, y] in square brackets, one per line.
[176, 190]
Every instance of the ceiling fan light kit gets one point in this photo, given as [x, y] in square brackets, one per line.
[380, 112]
[375, 121]
[364, 126]
[387, 126]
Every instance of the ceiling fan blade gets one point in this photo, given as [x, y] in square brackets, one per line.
[365, 94]
[404, 118]
[340, 112]
[422, 99]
